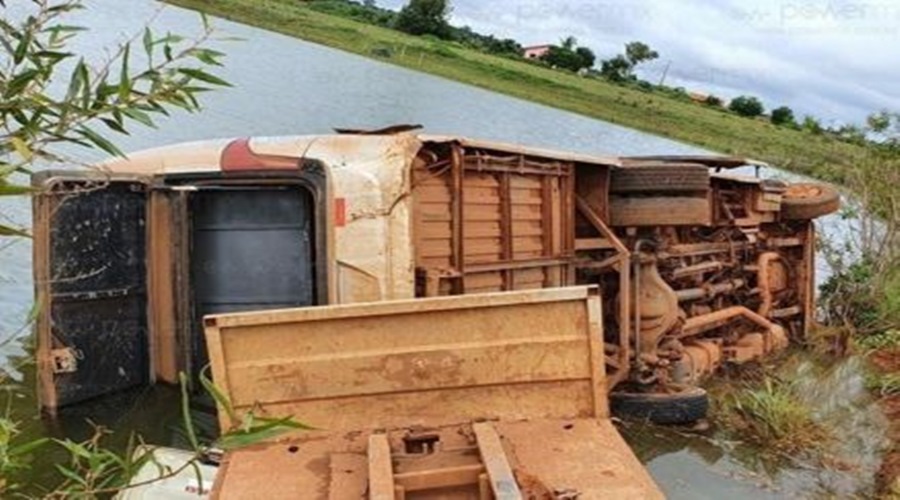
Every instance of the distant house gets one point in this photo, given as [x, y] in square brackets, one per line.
[697, 96]
[536, 51]
[706, 98]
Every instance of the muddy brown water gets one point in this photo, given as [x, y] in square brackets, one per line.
[285, 86]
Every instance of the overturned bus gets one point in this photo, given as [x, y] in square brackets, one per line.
[697, 267]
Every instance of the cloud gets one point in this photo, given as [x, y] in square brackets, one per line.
[836, 60]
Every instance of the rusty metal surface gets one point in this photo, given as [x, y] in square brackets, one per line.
[396, 385]
[580, 458]
[523, 150]
[534, 459]
[426, 361]
[161, 288]
[488, 222]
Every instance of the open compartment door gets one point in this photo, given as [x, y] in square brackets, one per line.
[91, 283]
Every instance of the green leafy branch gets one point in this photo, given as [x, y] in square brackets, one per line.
[109, 97]
[95, 471]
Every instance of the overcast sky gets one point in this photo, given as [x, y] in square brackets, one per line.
[836, 60]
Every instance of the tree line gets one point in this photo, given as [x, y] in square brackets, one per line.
[431, 18]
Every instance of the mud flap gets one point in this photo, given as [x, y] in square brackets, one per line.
[91, 281]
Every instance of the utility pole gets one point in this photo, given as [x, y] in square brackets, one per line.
[662, 80]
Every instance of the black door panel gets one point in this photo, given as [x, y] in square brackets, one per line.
[97, 282]
[252, 249]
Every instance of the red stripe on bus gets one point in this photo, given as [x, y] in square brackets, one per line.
[238, 156]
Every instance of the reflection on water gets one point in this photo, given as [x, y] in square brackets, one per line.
[731, 468]
[284, 86]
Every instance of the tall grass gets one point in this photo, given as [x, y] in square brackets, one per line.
[772, 414]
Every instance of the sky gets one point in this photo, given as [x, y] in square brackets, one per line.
[836, 60]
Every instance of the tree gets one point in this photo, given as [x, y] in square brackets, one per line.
[587, 57]
[747, 106]
[486, 43]
[811, 125]
[621, 67]
[851, 133]
[568, 55]
[783, 115]
[425, 17]
[712, 100]
[885, 125]
[880, 122]
[560, 57]
[36, 117]
[639, 52]
[617, 69]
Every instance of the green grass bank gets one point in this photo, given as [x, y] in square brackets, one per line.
[648, 111]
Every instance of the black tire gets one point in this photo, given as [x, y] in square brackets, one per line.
[684, 406]
[804, 201]
[638, 211]
[676, 178]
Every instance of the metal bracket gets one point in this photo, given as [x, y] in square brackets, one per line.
[65, 360]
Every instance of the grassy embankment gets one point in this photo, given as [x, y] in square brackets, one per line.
[651, 112]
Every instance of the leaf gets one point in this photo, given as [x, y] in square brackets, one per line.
[100, 141]
[21, 148]
[71, 475]
[11, 231]
[254, 424]
[258, 434]
[74, 448]
[217, 394]
[138, 116]
[25, 448]
[86, 89]
[6, 170]
[148, 45]
[34, 312]
[20, 81]
[22, 48]
[76, 81]
[124, 79]
[53, 56]
[13, 189]
[207, 56]
[20, 117]
[105, 90]
[203, 76]
[287, 422]
[186, 412]
[170, 39]
[114, 125]
[65, 28]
